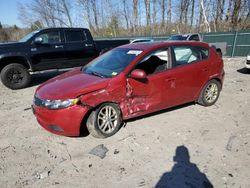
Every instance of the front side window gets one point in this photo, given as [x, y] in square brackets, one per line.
[75, 36]
[51, 37]
[111, 63]
[155, 62]
[186, 55]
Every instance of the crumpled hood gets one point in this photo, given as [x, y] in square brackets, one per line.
[70, 85]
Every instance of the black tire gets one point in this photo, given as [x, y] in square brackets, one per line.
[96, 118]
[210, 93]
[15, 76]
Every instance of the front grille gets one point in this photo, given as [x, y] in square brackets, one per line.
[37, 101]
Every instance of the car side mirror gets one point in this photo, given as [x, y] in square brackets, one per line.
[138, 74]
[38, 40]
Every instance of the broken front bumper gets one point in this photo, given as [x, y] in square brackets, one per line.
[65, 121]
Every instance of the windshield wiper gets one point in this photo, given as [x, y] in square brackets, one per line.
[97, 74]
[84, 69]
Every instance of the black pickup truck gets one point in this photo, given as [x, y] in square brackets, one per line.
[52, 48]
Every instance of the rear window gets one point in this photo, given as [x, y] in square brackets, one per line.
[195, 38]
[75, 36]
[178, 37]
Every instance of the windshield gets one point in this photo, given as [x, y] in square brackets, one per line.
[178, 37]
[28, 36]
[111, 63]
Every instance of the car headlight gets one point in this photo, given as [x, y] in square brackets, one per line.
[59, 104]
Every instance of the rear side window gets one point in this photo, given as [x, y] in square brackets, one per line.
[185, 55]
[75, 36]
[189, 54]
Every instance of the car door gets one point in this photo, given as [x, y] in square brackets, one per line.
[79, 47]
[187, 75]
[146, 95]
[49, 53]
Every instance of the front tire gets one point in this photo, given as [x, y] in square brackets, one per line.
[15, 76]
[105, 121]
[210, 93]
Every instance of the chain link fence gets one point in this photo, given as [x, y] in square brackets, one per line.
[238, 43]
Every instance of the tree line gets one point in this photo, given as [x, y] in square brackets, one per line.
[111, 18]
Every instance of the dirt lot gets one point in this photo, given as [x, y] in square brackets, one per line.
[212, 144]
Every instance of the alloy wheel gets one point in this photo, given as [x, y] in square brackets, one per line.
[107, 119]
[211, 93]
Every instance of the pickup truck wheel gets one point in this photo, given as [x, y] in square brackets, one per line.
[105, 121]
[15, 76]
[210, 93]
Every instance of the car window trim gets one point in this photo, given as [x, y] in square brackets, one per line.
[185, 45]
[208, 49]
[64, 32]
[48, 31]
[151, 52]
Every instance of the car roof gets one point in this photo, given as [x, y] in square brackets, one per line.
[147, 46]
[62, 28]
[185, 34]
[138, 39]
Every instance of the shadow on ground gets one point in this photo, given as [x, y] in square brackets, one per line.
[184, 174]
[244, 71]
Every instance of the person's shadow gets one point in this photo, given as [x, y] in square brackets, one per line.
[184, 174]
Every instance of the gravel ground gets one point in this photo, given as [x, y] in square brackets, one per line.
[187, 146]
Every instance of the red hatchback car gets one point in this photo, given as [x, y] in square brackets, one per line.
[126, 82]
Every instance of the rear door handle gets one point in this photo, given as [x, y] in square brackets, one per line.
[58, 46]
[205, 69]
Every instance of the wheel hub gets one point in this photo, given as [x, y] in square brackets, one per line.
[107, 119]
[15, 76]
[211, 93]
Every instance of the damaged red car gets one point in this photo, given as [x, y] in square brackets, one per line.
[127, 82]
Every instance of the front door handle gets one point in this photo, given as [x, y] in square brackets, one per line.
[58, 46]
[170, 79]
[205, 69]
[88, 45]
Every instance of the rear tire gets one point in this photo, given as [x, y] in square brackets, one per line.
[210, 93]
[105, 121]
[15, 76]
